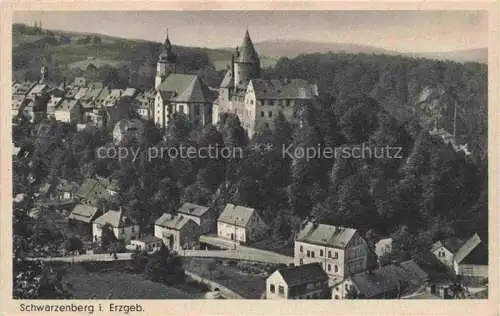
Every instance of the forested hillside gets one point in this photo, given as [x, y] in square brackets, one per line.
[408, 88]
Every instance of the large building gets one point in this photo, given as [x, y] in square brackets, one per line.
[179, 93]
[258, 101]
[341, 251]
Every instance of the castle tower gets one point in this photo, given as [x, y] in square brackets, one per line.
[246, 63]
[166, 63]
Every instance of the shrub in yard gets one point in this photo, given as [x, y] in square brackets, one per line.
[165, 267]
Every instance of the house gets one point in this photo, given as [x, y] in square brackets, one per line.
[179, 93]
[81, 218]
[340, 250]
[204, 216]
[79, 82]
[383, 247]
[472, 258]
[177, 232]
[308, 281]
[128, 128]
[445, 251]
[66, 189]
[389, 282]
[122, 227]
[54, 102]
[35, 109]
[88, 99]
[240, 223]
[146, 243]
[93, 190]
[68, 111]
[144, 103]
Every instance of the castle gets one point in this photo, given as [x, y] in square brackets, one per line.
[256, 101]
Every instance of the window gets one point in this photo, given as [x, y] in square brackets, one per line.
[312, 254]
[281, 290]
[301, 249]
[301, 261]
[329, 267]
[329, 254]
[181, 108]
[337, 289]
[336, 255]
[347, 287]
[272, 289]
[132, 228]
[336, 268]
[321, 253]
[197, 109]
[270, 113]
[308, 253]
[262, 114]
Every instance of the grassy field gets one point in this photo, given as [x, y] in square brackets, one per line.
[85, 283]
[246, 279]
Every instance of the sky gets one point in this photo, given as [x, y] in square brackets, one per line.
[404, 31]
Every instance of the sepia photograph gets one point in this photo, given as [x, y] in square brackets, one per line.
[248, 155]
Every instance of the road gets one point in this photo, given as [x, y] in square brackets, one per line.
[241, 253]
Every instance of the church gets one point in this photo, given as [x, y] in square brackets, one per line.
[179, 93]
[256, 101]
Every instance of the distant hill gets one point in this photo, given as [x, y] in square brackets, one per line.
[292, 48]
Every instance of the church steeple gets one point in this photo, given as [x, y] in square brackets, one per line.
[166, 62]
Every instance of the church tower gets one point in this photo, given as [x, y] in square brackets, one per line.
[166, 63]
[246, 63]
[44, 73]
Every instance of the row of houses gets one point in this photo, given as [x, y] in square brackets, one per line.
[82, 101]
[331, 262]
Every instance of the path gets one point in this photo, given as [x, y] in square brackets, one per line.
[242, 253]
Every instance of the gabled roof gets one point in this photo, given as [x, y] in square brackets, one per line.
[478, 256]
[196, 91]
[185, 88]
[467, 248]
[390, 280]
[83, 213]
[302, 274]
[176, 222]
[88, 188]
[67, 105]
[247, 53]
[193, 209]
[326, 235]
[452, 244]
[236, 215]
[114, 218]
[283, 89]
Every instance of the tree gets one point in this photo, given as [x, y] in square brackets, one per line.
[165, 267]
[74, 244]
[96, 40]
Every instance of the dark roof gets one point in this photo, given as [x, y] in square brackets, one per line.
[115, 219]
[185, 88]
[479, 255]
[193, 209]
[176, 222]
[467, 248]
[236, 215]
[83, 213]
[167, 55]
[326, 235]
[284, 89]
[247, 53]
[306, 273]
[149, 239]
[390, 280]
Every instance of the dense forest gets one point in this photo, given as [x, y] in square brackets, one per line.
[431, 192]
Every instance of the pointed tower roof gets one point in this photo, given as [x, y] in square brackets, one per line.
[247, 53]
[167, 54]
